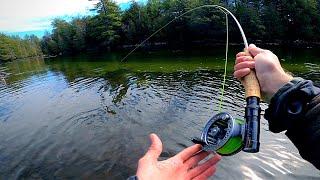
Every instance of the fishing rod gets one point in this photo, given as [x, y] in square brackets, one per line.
[223, 133]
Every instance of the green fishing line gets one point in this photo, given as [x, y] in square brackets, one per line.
[225, 65]
[226, 12]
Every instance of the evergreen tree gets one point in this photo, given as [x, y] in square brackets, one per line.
[104, 29]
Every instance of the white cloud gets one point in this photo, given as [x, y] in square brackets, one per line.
[33, 15]
[29, 15]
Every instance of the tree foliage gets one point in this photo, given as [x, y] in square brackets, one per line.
[16, 48]
[266, 20]
[66, 37]
[104, 28]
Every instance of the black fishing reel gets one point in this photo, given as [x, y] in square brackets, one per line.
[227, 136]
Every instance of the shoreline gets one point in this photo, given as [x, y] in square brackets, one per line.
[159, 46]
[210, 43]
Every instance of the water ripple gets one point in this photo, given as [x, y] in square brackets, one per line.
[92, 122]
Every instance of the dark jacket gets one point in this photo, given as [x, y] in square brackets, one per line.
[296, 109]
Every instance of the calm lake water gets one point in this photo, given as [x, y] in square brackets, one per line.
[89, 117]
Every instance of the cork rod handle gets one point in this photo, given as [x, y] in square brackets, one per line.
[251, 83]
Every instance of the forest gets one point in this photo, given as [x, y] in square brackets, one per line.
[13, 47]
[110, 28]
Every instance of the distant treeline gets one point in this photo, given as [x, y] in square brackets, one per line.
[13, 47]
[280, 21]
[266, 20]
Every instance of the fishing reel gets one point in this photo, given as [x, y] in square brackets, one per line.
[227, 136]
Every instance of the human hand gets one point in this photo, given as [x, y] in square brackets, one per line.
[269, 72]
[185, 165]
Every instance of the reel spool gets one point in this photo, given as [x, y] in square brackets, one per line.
[222, 134]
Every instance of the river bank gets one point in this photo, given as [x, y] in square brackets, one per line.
[195, 45]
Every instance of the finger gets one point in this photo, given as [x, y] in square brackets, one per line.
[203, 167]
[245, 64]
[188, 152]
[241, 54]
[155, 148]
[254, 50]
[243, 58]
[194, 160]
[206, 174]
[241, 73]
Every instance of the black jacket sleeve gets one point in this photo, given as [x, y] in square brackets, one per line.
[296, 109]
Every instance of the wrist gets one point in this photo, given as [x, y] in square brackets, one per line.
[289, 105]
[273, 87]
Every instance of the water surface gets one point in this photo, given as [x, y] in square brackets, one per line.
[90, 116]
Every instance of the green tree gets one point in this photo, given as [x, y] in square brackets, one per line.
[296, 19]
[133, 28]
[14, 47]
[48, 45]
[268, 20]
[79, 34]
[63, 35]
[104, 29]
[249, 14]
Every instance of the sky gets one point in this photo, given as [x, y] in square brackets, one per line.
[21, 17]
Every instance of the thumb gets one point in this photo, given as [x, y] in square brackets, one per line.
[254, 50]
[155, 148]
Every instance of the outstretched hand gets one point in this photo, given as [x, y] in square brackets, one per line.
[185, 165]
[269, 72]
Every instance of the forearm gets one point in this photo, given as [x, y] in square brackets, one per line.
[296, 108]
[306, 135]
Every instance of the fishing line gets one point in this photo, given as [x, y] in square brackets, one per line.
[223, 133]
[226, 12]
[225, 64]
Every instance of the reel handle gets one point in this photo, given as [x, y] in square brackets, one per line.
[252, 111]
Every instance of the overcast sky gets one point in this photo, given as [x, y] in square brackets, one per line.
[36, 15]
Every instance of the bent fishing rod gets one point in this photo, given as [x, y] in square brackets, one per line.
[223, 133]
